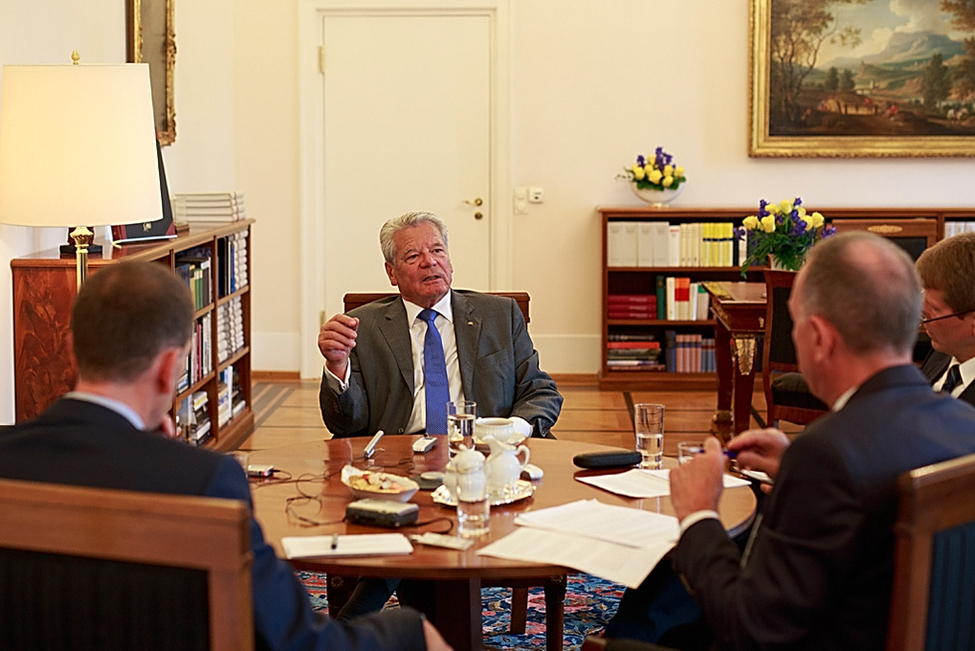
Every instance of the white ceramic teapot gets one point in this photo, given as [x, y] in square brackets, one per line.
[504, 468]
[468, 472]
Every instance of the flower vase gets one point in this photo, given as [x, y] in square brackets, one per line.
[656, 198]
[776, 265]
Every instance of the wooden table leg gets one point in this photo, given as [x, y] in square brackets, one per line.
[554, 612]
[744, 380]
[723, 362]
[455, 609]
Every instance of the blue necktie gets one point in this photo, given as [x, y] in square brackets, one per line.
[434, 376]
[953, 379]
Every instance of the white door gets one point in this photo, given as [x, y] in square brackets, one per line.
[406, 126]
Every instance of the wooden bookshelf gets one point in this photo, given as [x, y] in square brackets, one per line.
[913, 228]
[44, 286]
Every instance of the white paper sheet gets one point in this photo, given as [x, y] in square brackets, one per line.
[594, 520]
[367, 544]
[644, 483]
[610, 561]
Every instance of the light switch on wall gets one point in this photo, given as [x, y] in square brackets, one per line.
[521, 201]
[536, 195]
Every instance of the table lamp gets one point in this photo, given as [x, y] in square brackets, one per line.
[78, 146]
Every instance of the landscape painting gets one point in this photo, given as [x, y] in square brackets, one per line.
[862, 78]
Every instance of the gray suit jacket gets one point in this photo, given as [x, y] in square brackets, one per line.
[935, 365]
[498, 366]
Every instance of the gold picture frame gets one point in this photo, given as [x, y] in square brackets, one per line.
[891, 106]
[151, 38]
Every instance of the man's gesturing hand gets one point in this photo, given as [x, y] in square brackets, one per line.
[336, 340]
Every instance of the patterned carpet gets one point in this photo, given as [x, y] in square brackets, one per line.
[589, 603]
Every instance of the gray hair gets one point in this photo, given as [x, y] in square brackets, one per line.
[409, 220]
[867, 287]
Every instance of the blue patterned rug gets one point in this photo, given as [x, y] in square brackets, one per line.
[589, 603]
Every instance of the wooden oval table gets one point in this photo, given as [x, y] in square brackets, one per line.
[458, 575]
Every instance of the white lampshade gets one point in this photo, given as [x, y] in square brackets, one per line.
[78, 146]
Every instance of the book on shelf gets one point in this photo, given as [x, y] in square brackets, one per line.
[662, 244]
[622, 336]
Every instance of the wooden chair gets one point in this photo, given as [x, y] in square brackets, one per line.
[933, 604]
[786, 392]
[88, 568]
[554, 586]
[912, 235]
[593, 643]
[353, 301]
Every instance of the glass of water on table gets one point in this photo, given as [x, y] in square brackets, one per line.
[648, 424]
[460, 424]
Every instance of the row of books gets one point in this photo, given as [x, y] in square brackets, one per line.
[193, 418]
[689, 353]
[230, 328]
[662, 244]
[953, 228]
[675, 299]
[232, 272]
[634, 353]
[199, 362]
[681, 353]
[230, 395]
[208, 207]
[194, 268]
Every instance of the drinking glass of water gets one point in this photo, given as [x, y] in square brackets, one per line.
[460, 424]
[648, 424]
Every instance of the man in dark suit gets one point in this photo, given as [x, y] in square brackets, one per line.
[130, 329]
[947, 272]
[374, 355]
[818, 569]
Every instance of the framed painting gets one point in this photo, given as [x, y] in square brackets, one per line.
[848, 78]
[151, 38]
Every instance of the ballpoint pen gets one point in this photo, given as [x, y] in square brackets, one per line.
[335, 541]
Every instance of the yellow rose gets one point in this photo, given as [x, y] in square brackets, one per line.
[805, 224]
[817, 220]
[668, 170]
[668, 181]
[638, 173]
[768, 223]
[750, 223]
[801, 211]
[648, 168]
[785, 206]
[772, 208]
[654, 176]
[679, 171]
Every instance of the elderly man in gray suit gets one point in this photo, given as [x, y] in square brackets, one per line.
[375, 355]
[393, 362]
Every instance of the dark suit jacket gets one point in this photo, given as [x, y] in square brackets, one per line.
[820, 570]
[935, 365]
[498, 367]
[76, 442]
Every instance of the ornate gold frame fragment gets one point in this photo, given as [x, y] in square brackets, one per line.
[151, 38]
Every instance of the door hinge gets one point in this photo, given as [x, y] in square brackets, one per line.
[321, 59]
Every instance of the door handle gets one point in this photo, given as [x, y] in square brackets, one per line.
[478, 215]
[476, 202]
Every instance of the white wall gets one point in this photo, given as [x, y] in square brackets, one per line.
[592, 84]
[46, 31]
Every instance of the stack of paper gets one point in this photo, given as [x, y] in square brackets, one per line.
[208, 207]
[367, 544]
[616, 543]
[644, 483]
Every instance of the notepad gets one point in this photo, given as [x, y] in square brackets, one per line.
[367, 544]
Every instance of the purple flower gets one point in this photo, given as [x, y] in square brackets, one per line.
[797, 202]
[641, 161]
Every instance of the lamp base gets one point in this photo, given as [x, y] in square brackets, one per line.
[70, 249]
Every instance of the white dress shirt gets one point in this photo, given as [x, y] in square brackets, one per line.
[967, 370]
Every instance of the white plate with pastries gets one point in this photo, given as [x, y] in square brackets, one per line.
[378, 485]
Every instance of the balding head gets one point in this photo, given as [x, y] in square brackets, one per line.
[867, 288]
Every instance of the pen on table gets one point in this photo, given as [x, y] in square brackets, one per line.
[731, 454]
[335, 541]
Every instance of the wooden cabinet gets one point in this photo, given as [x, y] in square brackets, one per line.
[912, 228]
[45, 286]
